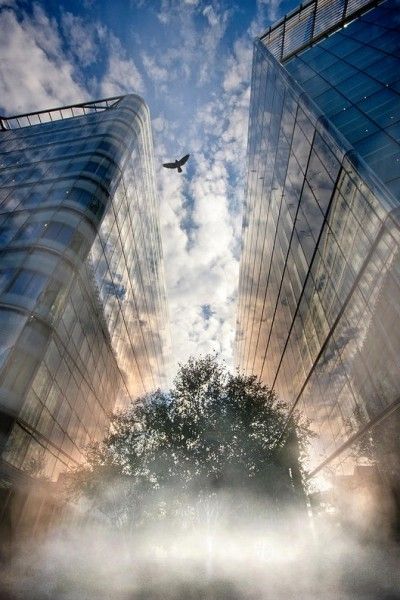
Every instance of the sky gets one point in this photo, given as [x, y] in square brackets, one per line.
[191, 61]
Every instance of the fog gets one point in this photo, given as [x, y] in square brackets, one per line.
[260, 553]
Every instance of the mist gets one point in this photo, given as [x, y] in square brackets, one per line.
[261, 552]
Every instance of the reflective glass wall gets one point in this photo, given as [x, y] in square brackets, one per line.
[319, 283]
[354, 78]
[83, 317]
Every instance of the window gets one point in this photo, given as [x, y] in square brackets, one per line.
[354, 124]
[315, 85]
[331, 102]
[11, 324]
[35, 198]
[5, 277]
[87, 200]
[58, 232]
[389, 40]
[376, 143]
[358, 86]
[361, 59]
[78, 244]
[318, 58]
[342, 45]
[6, 234]
[14, 200]
[80, 196]
[364, 32]
[383, 107]
[49, 295]
[29, 232]
[386, 69]
[337, 72]
[19, 371]
[27, 283]
[299, 69]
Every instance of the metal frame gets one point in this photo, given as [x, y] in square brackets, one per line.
[275, 38]
[57, 114]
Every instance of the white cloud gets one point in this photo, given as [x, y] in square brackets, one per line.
[122, 75]
[210, 41]
[267, 12]
[200, 213]
[210, 15]
[270, 8]
[37, 71]
[202, 261]
[34, 71]
[239, 66]
[197, 40]
[154, 71]
[159, 124]
[164, 14]
[83, 38]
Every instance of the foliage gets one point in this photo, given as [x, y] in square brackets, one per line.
[213, 432]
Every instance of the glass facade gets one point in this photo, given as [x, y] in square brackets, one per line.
[83, 316]
[318, 312]
[354, 78]
[309, 22]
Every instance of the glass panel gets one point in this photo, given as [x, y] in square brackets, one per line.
[27, 283]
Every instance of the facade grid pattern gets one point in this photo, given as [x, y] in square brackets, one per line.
[317, 315]
[354, 78]
[83, 318]
[310, 22]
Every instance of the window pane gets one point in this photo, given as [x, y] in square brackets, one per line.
[11, 324]
[29, 232]
[27, 283]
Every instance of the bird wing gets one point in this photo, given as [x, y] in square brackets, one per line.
[169, 165]
[184, 159]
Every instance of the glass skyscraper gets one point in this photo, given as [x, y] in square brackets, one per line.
[83, 315]
[319, 292]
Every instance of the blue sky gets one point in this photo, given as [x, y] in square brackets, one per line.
[191, 61]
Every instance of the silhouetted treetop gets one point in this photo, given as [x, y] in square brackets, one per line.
[212, 431]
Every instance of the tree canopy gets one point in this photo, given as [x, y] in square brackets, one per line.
[213, 432]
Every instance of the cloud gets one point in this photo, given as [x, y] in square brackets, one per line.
[201, 218]
[211, 16]
[197, 32]
[153, 70]
[122, 75]
[270, 8]
[201, 211]
[83, 38]
[159, 124]
[210, 40]
[34, 70]
[239, 65]
[164, 14]
[267, 12]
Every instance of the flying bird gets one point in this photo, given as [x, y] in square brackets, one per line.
[177, 164]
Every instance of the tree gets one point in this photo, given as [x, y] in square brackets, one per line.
[213, 434]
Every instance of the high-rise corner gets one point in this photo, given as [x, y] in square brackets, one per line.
[83, 313]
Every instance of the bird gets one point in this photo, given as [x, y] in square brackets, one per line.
[177, 164]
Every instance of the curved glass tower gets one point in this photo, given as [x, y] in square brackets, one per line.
[83, 316]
